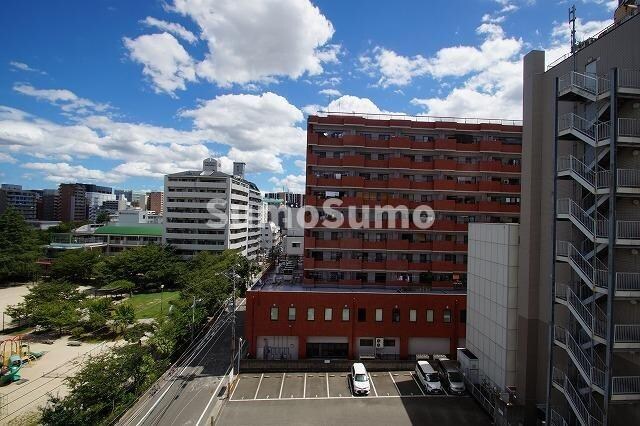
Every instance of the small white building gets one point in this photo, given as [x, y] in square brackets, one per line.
[270, 236]
[492, 299]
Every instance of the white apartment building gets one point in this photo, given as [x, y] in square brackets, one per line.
[208, 210]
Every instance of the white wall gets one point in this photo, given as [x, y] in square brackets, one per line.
[289, 243]
[492, 283]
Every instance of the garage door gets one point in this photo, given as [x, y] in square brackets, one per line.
[428, 345]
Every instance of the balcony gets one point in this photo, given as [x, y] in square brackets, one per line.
[449, 205]
[491, 146]
[326, 141]
[571, 126]
[446, 144]
[444, 266]
[374, 266]
[420, 266]
[594, 324]
[629, 81]
[400, 163]
[327, 264]
[629, 130]
[326, 244]
[353, 161]
[442, 245]
[397, 245]
[421, 246]
[444, 185]
[625, 388]
[351, 243]
[352, 264]
[575, 86]
[370, 143]
[353, 140]
[397, 265]
[400, 142]
[445, 164]
[593, 375]
[377, 164]
[467, 186]
[399, 183]
[629, 181]
[374, 245]
[325, 161]
[628, 285]
[626, 336]
[422, 185]
[489, 186]
[467, 147]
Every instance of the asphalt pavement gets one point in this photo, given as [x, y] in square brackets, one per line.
[183, 397]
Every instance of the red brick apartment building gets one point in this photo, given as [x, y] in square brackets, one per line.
[388, 291]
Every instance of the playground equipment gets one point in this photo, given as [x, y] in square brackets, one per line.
[15, 353]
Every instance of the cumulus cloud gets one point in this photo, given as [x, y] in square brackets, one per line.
[6, 158]
[332, 93]
[65, 99]
[247, 42]
[171, 27]
[165, 62]
[24, 67]
[348, 104]
[64, 172]
[294, 183]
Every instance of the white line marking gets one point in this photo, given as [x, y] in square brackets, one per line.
[234, 389]
[394, 383]
[335, 397]
[215, 393]
[326, 376]
[304, 389]
[281, 385]
[259, 383]
[418, 384]
[373, 384]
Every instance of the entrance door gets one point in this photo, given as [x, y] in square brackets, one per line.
[327, 350]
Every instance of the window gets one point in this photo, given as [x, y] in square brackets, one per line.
[413, 315]
[429, 315]
[395, 315]
[362, 314]
[463, 316]
[295, 244]
[311, 314]
[345, 314]
[366, 342]
[274, 313]
[379, 315]
[389, 342]
[446, 315]
[292, 313]
[328, 313]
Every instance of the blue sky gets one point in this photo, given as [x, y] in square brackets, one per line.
[121, 92]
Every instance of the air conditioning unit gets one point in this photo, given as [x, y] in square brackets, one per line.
[379, 342]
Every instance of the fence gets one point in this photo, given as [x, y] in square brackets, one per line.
[320, 365]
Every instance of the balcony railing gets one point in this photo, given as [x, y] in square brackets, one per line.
[627, 333]
[579, 407]
[628, 178]
[596, 228]
[629, 127]
[596, 324]
[625, 385]
[586, 82]
[628, 281]
[595, 276]
[628, 78]
[628, 229]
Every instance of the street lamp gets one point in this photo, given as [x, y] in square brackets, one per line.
[161, 297]
[193, 314]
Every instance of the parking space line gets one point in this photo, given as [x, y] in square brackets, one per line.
[418, 384]
[258, 389]
[236, 387]
[304, 390]
[326, 376]
[373, 385]
[281, 385]
[394, 383]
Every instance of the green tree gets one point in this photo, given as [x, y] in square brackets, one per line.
[19, 247]
[119, 287]
[97, 313]
[104, 387]
[102, 217]
[147, 267]
[123, 316]
[75, 266]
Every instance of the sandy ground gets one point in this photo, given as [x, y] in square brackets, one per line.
[10, 296]
[45, 376]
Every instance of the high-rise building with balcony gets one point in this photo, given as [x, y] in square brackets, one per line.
[156, 201]
[580, 212]
[208, 210]
[21, 200]
[465, 171]
[71, 202]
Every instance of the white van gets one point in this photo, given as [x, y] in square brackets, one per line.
[429, 378]
[359, 379]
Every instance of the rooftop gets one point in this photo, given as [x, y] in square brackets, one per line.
[416, 118]
[146, 230]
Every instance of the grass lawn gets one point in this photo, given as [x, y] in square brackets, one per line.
[147, 305]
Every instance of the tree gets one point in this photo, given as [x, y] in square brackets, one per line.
[97, 313]
[119, 287]
[19, 247]
[102, 217]
[123, 316]
[75, 266]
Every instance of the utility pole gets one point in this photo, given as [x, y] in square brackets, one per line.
[233, 326]
[193, 315]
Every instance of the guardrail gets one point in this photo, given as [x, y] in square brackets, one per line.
[585, 82]
[597, 275]
[629, 78]
[628, 178]
[628, 281]
[627, 333]
[590, 372]
[575, 122]
[571, 163]
[557, 419]
[629, 127]
[422, 118]
[628, 229]
[625, 385]
[597, 323]
[579, 407]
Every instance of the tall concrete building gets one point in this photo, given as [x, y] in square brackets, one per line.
[155, 202]
[207, 210]
[71, 202]
[46, 205]
[21, 200]
[578, 316]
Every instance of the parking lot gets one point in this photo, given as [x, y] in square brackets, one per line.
[270, 386]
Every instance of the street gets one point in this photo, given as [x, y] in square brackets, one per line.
[184, 396]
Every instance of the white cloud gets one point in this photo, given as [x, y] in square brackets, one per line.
[457, 61]
[24, 67]
[294, 183]
[247, 42]
[347, 104]
[172, 28]
[493, 19]
[6, 158]
[65, 99]
[330, 81]
[301, 164]
[332, 93]
[164, 61]
[560, 44]
[64, 172]
[249, 123]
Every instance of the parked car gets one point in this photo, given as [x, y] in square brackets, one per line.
[359, 379]
[451, 376]
[429, 377]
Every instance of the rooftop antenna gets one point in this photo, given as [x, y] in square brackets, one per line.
[572, 22]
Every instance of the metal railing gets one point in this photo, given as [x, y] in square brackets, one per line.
[586, 82]
[628, 281]
[573, 121]
[602, 130]
[557, 419]
[629, 127]
[596, 275]
[628, 178]
[580, 409]
[625, 385]
[562, 248]
[597, 228]
[591, 373]
[573, 164]
[597, 323]
[628, 229]
[422, 118]
[627, 333]
[629, 78]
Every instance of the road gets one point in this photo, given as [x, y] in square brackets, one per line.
[185, 396]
